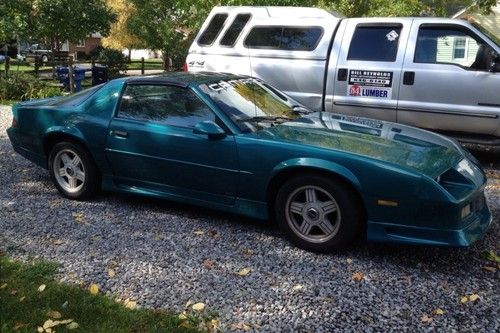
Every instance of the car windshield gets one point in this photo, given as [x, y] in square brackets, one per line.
[252, 104]
[488, 33]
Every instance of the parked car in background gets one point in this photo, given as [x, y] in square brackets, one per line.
[238, 144]
[436, 73]
[39, 50]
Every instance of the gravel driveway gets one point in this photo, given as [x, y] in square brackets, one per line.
[165, 254]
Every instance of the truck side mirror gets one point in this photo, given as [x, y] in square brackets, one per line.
[495, 62]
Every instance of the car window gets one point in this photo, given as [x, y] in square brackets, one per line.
[163, 104]
[284, 38]
[449, 45]
[234, 30]
[375, 43]
[213, 29]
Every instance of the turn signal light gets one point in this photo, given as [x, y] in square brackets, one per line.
[387, 203]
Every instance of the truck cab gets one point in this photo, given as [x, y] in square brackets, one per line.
[435, 73]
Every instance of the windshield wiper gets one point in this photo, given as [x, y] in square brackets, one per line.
[279, 119]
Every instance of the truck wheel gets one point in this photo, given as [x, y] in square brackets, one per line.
[73, 171]
[317, 213]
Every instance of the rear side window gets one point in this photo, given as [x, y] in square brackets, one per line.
[235, 29]
[212, 31]
[375, 43]
[163, 104]
[284, 38]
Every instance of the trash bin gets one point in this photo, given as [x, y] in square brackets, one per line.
[99, 74]
[79, 74]
[62, 76]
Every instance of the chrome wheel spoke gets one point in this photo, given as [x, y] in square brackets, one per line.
[326, 227]
[297, 207]
[310, 195]
[72, 181]
[76, 161]
[65, 159]
[62, 172]
[328, 207]
[80, 175]
[305, 228]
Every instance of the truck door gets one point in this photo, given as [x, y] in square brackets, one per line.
[446, 82]
[369, 68]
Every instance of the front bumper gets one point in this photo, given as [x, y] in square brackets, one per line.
[477, 225]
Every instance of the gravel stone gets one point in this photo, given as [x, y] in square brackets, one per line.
[158, 260]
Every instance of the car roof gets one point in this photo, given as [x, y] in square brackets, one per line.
[182, 79]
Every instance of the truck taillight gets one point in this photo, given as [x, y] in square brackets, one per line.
[14, 123]
[185, 67]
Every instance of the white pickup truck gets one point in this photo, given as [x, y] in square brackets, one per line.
[436, 73]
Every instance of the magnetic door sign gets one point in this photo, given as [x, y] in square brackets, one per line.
[375, 84]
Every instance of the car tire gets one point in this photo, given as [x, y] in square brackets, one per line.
[73, 171]
[318, 213]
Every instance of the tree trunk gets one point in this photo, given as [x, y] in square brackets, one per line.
[166, 63]
[129, 54]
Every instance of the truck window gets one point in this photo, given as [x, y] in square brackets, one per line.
[212, 31]
[284, 38]
[234, 30]
[375, 43]
[449, 45]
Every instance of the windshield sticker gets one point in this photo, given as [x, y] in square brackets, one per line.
[374, 84]
[392, 36]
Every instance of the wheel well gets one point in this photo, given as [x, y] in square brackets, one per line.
[278, 180]
[54, 138]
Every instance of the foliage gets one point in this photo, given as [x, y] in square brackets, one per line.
[21, 86]
[114, 59]
[120, 37]
[30, 298]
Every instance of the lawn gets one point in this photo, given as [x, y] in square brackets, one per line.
[29, 298]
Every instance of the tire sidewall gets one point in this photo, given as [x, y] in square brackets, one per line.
[351, 212]
[90, 184]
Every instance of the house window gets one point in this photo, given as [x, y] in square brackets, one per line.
[81, 43]
[459, 47]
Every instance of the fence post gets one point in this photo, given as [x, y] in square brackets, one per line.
[71, 76]
[37, 65]
[7, 65]
[142, 65]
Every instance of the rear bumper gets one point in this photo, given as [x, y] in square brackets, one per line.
[396, 233]
[26, 153]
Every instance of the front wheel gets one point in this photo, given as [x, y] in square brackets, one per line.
[73, 171]
[318, 213]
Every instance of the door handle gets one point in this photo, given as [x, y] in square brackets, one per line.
[409, 78]
[342, 74]
[120, 134]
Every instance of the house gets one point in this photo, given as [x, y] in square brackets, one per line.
[84, 47]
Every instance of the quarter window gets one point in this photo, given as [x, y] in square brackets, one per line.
[163, 104]
[284, 38]
[375, 43]
[235, 29]
[450, 45]
[212, 31]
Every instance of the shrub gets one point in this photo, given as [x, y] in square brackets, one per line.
[21, 86]
[114, 59]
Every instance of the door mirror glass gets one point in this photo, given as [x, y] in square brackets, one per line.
[209, 128]
[495, 62]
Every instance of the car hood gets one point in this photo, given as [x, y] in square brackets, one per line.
[405, 146]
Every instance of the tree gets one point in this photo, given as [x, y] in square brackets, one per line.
[120, 37]
[15, 18]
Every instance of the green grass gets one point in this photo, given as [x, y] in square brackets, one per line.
[148, 64]
[24, 68]
[23, 308]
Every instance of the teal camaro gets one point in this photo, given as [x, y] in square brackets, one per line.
[237, 144]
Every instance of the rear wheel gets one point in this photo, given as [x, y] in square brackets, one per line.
[318, 213]
[73, 171]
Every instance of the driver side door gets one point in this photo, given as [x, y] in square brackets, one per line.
[151, 145]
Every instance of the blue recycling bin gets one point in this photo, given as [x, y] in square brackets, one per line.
[62, 74]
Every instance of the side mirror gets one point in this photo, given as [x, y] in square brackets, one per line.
[495, 62]
[210, 129]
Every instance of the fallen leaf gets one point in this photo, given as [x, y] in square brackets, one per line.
[246, 327]
[13, 292]
[72, 275]
[158, 237]
[111, 273]
[473, 297]
[39, 329]
[298, 287]
[131, 305]
[72, 326]
[22, 298]
[438, 312]
[213, 325]
[490, 269]
[54, 314]
[94, 289]
[244, 271]
[65, 305]
[182, 316]
[79, 217]
[18, 326]
[199, 232]
[208, 263]
[358, 276]
[198, 307]
[213, 233]
[42, 287]
[425, 319]
[3, 286]
[48, 324]
[349, 260]
[493, 256]
[464, 299]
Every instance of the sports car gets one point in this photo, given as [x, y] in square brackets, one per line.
[237, 144]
